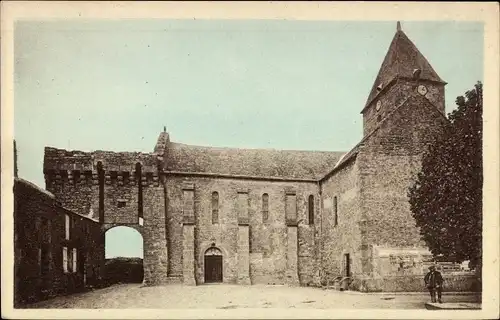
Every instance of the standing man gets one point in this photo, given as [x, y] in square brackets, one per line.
[434, 282]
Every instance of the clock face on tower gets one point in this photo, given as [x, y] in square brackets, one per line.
[422, 89]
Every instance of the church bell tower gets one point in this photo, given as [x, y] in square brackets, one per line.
[404, 72]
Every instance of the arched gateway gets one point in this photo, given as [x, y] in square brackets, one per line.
[213, 265]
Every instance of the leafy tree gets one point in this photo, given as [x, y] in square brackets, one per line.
[446, 199]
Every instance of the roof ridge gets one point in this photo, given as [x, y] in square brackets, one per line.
[353, 150]
[34, 186]
[52, 149]
[254, 149]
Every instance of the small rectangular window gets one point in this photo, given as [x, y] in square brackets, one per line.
[74, 269]
[48, 230]
[335, 211]
[265, 207]
[141, 221]
[215, 216]
[215, 207]
[311, 209]
[65, 260]
[67, 224]
[70, 260]
[121, 203]
[40, 260]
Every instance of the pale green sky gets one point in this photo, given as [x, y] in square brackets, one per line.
[237, 83]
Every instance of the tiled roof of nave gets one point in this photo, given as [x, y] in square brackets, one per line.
[287, 164]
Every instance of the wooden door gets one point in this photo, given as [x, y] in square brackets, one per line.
[347, 265]
[213, 269]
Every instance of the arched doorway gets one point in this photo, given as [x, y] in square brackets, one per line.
[213, 265]
[124, 255]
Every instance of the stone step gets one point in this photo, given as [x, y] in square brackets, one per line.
[453, 306]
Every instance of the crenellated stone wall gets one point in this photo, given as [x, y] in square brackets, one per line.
[118, 189]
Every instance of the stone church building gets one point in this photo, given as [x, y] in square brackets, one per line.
[248, 216]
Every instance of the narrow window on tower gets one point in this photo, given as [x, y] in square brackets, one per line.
[138, 177]
[100, 173]
[265, 207]
[335, 211]
[215, 207]
[311, 209]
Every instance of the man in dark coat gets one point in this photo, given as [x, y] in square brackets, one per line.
[434, 282]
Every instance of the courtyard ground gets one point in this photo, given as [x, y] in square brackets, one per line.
[223, 296]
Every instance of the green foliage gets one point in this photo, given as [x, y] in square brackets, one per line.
[446, 199]
[124, 270]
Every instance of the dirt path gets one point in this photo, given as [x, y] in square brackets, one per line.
[234, 297]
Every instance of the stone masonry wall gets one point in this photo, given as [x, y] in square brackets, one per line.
[81, 192]
[268, 239]
[120, 199]
[344, 238]
[154, 236]
[388, 164]
[40, 227]
[74, 189]
[87, 237]
[395, 95]
[72, 176]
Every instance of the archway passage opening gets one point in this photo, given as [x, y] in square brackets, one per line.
[213, 265]
[124, 255]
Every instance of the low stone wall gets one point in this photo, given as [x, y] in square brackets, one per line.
[415, 283]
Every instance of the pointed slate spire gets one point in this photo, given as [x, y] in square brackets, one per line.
[401, 60]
